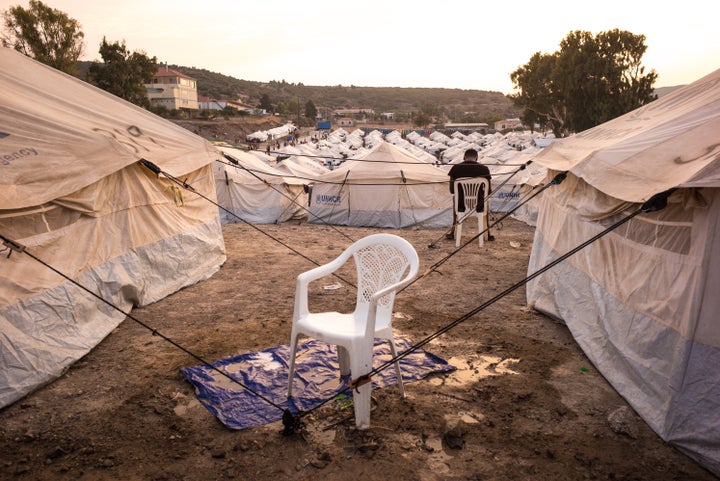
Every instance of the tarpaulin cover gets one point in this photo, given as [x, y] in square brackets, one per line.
[316, 380]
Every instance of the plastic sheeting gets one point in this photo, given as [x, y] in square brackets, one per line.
[316, 380]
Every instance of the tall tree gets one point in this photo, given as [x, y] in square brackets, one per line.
[590, 80]
[310, 110]
[45, 34]
[123, 73]
[266, 103]
[421, 119]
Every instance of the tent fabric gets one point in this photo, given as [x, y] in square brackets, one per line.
[73, 193]
[256, 192]
[387, 187]
[642, 301]
[60, 134]
[316, 380]
[667, 143]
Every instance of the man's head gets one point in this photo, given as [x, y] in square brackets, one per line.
[471, 154]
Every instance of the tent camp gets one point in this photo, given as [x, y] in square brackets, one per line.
[643, 301]
[73, 193]
[387, 187]
[249, 189]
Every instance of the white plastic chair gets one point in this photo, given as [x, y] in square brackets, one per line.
[385, 263]
[470, 187]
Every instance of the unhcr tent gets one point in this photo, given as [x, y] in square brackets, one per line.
[387, 187]
[74, 195]
[643, 301]
[253, 191]
[516, 189]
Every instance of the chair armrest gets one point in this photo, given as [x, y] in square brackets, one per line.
[304, 279]
[320, 271]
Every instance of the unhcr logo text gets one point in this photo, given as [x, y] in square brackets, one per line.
[324, 199]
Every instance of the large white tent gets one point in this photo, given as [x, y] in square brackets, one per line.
[73, 193]
[253, 191]
[387, 187]
[643, 301]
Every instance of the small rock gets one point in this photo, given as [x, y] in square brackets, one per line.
[55, 453]
[623, 421]
[456, 426]
[322, 460]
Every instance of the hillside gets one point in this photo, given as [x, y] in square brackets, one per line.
[456, 104]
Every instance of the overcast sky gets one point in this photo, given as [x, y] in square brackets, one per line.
[448, 44]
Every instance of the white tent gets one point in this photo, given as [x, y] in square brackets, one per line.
[643, 301]
[275, 133]
[73, 193]
[515, 187]
[255, 192]
[387, 187]
[302, 167]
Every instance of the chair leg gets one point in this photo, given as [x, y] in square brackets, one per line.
[458, 233]
[481, 227]
[398, 374]
[291, 368]
[343, 361]
[361, 363]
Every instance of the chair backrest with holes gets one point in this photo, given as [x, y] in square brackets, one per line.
[472, 188]
[382, 260]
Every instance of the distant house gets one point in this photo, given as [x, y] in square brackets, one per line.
[205, 103]
[347, 112]
[172, 90]
[507, 124]
[388, 115]
[345, 122]
[467, 127]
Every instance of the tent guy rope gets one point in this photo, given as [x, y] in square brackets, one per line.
[655, 203]
[235, 163]
[16, 247]
[158, 171]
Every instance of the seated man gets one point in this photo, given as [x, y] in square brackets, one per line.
[469, 167]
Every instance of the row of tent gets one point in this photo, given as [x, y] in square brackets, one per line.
[275, 133]
[641, 300]
[376, 180]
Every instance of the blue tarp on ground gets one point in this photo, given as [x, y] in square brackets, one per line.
[316, 380]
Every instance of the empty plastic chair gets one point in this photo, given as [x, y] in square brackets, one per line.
[385, 263]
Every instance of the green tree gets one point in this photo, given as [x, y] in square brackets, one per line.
[45, 34]
[588, 81]
[265, 103]
[123, 73]
[310, 110]
[421, 119]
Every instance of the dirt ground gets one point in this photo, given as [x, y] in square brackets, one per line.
[531, 406]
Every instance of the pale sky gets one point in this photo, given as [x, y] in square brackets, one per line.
[466, 44]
